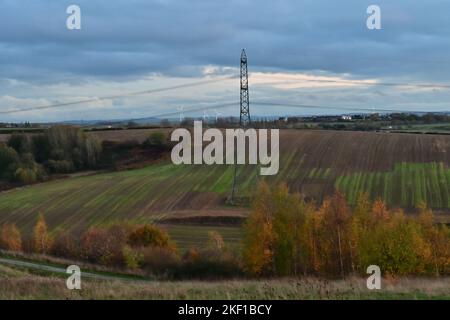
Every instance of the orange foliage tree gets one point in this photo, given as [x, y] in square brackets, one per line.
[259, 234]
[10, 238]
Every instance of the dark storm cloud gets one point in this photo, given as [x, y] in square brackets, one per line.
[122, 39]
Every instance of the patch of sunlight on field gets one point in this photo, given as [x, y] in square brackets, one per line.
[407, 185]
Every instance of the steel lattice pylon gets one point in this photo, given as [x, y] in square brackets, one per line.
[244, 118]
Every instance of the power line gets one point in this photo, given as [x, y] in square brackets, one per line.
[212, 107]
[302, 106]
[377, 59]
[199, 83]
[266, 103]
[136, 93]
[287, 105]
[365, 83]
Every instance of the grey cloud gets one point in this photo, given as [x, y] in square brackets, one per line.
[125, 40]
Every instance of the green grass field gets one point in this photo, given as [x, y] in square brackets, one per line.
[408, 184]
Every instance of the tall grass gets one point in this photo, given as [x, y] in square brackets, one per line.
[27, 286]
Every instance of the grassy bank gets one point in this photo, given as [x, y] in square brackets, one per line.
[22, 285]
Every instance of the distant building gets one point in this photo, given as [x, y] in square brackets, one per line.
[346, 118]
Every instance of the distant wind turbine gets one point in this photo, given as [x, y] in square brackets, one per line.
[205, 116]
[218, 114]
[181, 113]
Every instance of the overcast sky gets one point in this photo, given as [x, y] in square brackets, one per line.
[134, 45]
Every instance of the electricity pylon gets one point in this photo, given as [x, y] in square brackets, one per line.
[244, 116]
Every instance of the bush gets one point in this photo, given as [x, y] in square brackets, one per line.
[105, 245]
[65, 245]
[208, 264]
[10, 238]
[213, 261]
[149, 235]
[25, 175]
[27, 170]
[8, 160]
[95, 246]
[60, 166]
[156, 139]
[157, 260]
[132, 258]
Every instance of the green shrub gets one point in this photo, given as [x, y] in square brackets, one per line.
[8, 159]
[60, 166]
[156, 139]
[132, 257]
[25, 175]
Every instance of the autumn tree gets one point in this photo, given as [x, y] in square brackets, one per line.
[96, 246]
[380, 211]
[361, 222]
[335, 234]
[105, 245]
[437, 239]
[403, 250]
[311, 239]
[149, 235]
[41, 237]
[10, 238]
[274, 239]
[259, 234]
[284, 230]
[65, 245]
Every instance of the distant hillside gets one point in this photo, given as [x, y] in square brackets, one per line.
[404, 169]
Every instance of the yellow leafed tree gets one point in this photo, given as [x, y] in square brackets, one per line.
[42, 241]
[258, 236]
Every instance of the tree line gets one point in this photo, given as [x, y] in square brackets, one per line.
[27, 158]
[286, 236]
[143, 248]
[60, 149]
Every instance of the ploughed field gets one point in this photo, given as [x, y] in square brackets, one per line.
[403, 169]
